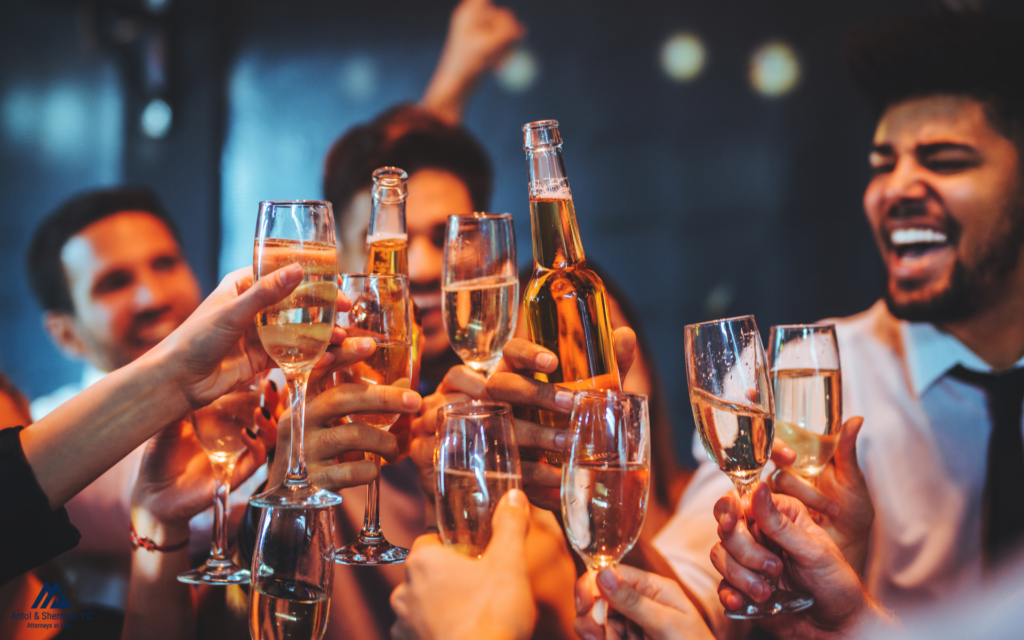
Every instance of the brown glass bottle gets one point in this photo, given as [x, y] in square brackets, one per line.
[565, 302]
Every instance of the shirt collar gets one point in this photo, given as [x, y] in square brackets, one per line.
[931, 352]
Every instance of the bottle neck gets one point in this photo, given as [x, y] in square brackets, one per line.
[387, 245]
[556, 236]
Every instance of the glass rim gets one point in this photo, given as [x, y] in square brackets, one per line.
[481, 215]
[540, 124]
[609, 394]
[284, 203]
[372, 276]
[483, 407]
[815, 325]
[718, 321]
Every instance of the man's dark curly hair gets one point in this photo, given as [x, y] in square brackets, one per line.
[942, 51]
[45, 269]
[411, 138]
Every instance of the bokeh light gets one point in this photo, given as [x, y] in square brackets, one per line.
[774, 69]
[519, 71]
[683, 56]
[156, 119]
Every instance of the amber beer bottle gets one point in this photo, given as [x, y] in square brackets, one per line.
[565, 302]
[387, 251]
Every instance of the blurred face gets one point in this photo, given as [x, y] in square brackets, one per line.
[130, 287]
[433, 196]
[945, 206]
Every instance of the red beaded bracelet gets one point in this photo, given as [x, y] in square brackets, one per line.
[147, 544]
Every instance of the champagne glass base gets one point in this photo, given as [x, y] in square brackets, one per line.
[362, 552]
[299, 496]
[782, 601]
[216, 572]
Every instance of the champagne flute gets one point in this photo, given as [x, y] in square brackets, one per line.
[297, 331]
[380, 310]
[807, 381]
[292, 572]
[734, 411]
[480, 283]
[606, 478]
[476, 463]
[218, 428]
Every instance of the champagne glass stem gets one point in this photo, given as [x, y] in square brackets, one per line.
[371, 523]
[297, 460]
[221, 490]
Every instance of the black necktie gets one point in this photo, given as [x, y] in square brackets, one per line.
[1003, 527]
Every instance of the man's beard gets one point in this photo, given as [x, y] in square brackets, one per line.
[969, 289]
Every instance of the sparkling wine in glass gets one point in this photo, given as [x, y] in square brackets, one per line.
[381, 310]
[292, 572]
[734, 410]
[297, 331]
[476, 463]
[218, 428]
[480, 285]
[606, 477]
[807, 381]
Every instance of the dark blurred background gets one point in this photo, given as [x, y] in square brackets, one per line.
[702, 192]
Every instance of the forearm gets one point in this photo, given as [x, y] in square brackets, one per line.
[449, 90]
[81, 439]
[159, 607]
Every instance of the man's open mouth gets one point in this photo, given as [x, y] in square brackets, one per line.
[917, 241]
[918, 254]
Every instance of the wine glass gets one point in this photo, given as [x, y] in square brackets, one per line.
[734, 411]
[218, 428]
[477, 462]
[606, 478]
[380, 310]
[807, 381]
[297, 331]
[480, 283]
[292, 572]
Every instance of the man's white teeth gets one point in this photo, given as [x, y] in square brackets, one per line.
[916, 236]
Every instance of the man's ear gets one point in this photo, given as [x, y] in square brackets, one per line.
[61, 327]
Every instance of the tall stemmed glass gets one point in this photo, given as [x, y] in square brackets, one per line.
[292, 570]
[380, 310]
[480, 283]
[477, 462]
[606, 477]
[218, 428]
[807, 381]
[297, 330]
[734, 410]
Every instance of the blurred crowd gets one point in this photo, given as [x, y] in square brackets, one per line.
[913, 530]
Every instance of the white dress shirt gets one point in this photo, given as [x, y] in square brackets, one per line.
[923, 451]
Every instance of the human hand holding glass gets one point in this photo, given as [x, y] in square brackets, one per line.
[218, 427]
[606, 478]
[477, 462]
[734, 410]
[292, 573]
[381, 310]
[297, 331]
[480, 287]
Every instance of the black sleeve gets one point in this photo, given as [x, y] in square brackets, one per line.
[30, 533]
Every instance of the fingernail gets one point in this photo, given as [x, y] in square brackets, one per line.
[266, 414]
[273, 385]
[757, 589]
[411, 400]
[771, 565]
[607, 579]
[291, 273]
[833, 509]
[564, 399]
[560, 439]
[545, 360]
[517, 498]
[250, 433]
[579, 605]
[590, 636]
[363, 345]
